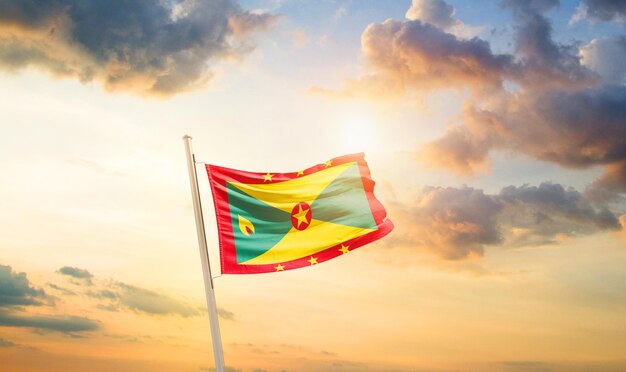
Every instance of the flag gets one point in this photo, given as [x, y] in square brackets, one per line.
[270, 222]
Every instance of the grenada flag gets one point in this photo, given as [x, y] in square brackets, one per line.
[270, 222]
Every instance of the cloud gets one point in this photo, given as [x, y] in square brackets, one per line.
[527, 365]
[118, 295]
[600, 55]
[436, 12]
[549, 213]
[548, 100]
[601, 11]
[15, 289]
[614, 178]
[547, 64]
[453, 223]
[148, 48]
[225, 314]
[416, 56]
[246, 23]
[151, 302]
[64, 324]
[65, 291]
[458, 223]
[6, 343]
[424, 54]
[574, 129]
[340, 12]
[104, 293]
[76, 273]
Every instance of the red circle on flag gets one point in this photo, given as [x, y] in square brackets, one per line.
[301, 216]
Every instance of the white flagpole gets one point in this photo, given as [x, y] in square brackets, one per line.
[204, 255]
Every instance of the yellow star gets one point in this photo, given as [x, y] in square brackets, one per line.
[313, 260]
[279, 267]
[267, 177]
[300, 173]
[301, 215]
[328, 163]
[344, 249]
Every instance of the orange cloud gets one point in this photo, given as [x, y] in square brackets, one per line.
[540, 100]
[458, 223]
[145, 48]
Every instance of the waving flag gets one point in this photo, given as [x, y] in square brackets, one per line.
[271, 222]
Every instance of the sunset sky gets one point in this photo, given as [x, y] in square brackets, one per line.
[495, 131]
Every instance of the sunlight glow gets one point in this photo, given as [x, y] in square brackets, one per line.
[357, 131]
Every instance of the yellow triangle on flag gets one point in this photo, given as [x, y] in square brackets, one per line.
[285, 194]
[320, 235]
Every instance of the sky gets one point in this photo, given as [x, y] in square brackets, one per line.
[495, 132]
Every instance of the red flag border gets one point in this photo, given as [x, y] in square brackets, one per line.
[218, 176]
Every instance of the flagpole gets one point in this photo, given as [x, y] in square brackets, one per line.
[204, 255]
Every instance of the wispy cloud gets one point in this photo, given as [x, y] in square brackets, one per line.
[151, 302]
[74, 272]
[6, 343]
[63, 290]
[16, 293]
[65, 324]
[225, 314]
[148, 48]
[340, 12]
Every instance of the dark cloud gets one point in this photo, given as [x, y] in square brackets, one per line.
[15, 289]
[457, 223]
[574, 129]
[453, 223]
[151, 302]
[546, 63]
[76, 273]
[550, 213]
[64, 324]
[526, 8]
[601, 10]
[149, 48]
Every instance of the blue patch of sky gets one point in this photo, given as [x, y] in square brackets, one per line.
[330, 33]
